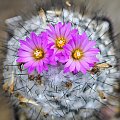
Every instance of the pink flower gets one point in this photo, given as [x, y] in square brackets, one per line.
[35, 53]
[58, 36]
[81, 54]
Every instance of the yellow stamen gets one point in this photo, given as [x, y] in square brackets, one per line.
[38, 54]
[60, 42]
[77, 54]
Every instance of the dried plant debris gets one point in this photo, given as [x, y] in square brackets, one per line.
[55, 94]
[101, 94]
[99, 66]
[68, 3]
[42, 15]
[9, 84]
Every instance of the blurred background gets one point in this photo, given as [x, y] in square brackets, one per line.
[11, 8]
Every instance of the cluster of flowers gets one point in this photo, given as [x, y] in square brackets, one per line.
[58, 43]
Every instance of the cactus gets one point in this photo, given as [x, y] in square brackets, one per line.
[55, 94]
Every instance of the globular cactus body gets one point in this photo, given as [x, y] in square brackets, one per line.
[55, 94]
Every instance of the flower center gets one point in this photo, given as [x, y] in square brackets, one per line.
[38, 54]
[60, 42]
[77, 54]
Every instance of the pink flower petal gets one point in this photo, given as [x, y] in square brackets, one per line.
[45, 67]
[36, 63]
[91, 53]
[39, 41]
[82, 69]
[85, 64]
[39, 69]
[72, 66]
[22, 53]
[77, 65]
[89, 45]
[25, 59]
[66, 70]
[89, 59]
[74, 31]
[61, 58]
[27, 44]
[26, 48]
[84, 41]
[50, 39]
[68, 38]
[51, 32]
[63, 29]
[57, 27]
[31, 69]
[72, 43]
[28, 64]
[30, 43]
[78, 41]
[69, 63]
[45, 43]
[68, 29]
[68, 47]
[46, 60]
[34, 38]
